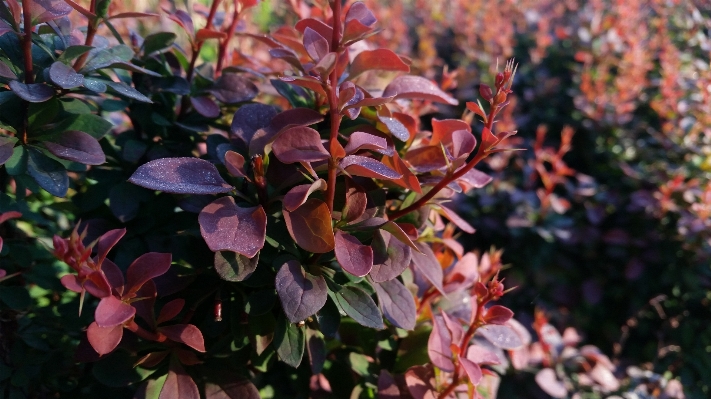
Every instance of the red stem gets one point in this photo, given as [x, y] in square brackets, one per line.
[145, 334]
[224, 44]
[90, 33]
[481, 154]
[333, 105]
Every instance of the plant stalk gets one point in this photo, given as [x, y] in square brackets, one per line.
[333, 105]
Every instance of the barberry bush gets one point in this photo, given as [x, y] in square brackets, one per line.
[194, 207]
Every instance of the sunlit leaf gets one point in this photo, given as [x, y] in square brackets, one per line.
[180, 176]
[302, 294]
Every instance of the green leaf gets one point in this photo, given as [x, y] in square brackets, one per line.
[16, 297]
[128, 91]
[262, 328]
[289, 340]
[157, 42]
[17, 164]
[39, 114]
[93, 125]
[232, 266]
[73, 52]
[48, 173]
[329, 319]
[116, 370]
[357, 304]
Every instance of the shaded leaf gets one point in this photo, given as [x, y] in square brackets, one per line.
[316, 348]
[420, 382]
[354, 257]
[228, 227]
[34, 93]
[76, 146]
[48, 173]
[128, 91]
[234, 162]
[231, 88]
[397, 303]
[241, 389]
[368, 167]
[7, 147]
[205, 106]
[104, 339]
[146, 267]
[289, 340]
[417, 87]
[180, 176]
[170, 310]
[179, 384]
[357, 304]
[426, 263]
[232, 266]
[185, 333]
[301, 294]
[310, 226]
[387, 387]
[248, 119]
[158, 41]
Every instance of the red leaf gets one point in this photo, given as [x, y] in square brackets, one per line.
[206, 34]
[316, 45]
[301, 294]
[97, 285]
[170, 310]
[438, 345]
[475, 108]
[426, 159]
[104, 339]
[185, 333]
[146, 267]
[463, 274]
[354, 257]
[235, 164]
[299, 194]
[114, 276]
[5, 216]
[106, 242]
[179, 385]
[183, 19]
[71, 282]
[113, 312]
[299, 144]
[408, 179]
[380, 59]
[416, 87]
[306, 82]
[354, 31]
[442, 129]
[456, 219]
[498, 314]
[397, 231]
[364, 141]
[472, 369]
[310, 226]
[228, 227]
[319, 26]
[133, 15]
[420, 382]
[368, 167]
[356, 201]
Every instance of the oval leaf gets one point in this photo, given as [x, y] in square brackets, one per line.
[65, 76]
[502, 336]
[180, 176]
[76, 146]
[231, 88]
[34, 93]
[417, 87]
[228, 227]
[232, 266]
[368, 167]
[179, 384]
[354, 257]
[381, 59]
[357, 304]
[397, 303]
[310, 226]
[146, 267]
[438, 345]
[104, 339]
[390, 257]
[299, 144]
[298, 195]
[48, 173]
[113, 312]
[185, 333]
[301, 294]
[289, 340]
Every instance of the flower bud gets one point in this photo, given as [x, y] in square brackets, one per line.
[499, 80]
[486, 92]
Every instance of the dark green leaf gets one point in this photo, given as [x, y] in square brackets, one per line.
[157, 42]
[357, 304]
[17, 164]
[128, 91]
[73, 52]
[329, 319]
[232, 266]
[7, 145]
[95, 85]
[116, 370]
[16, 297]
[260, 302]
[48, 173]
[289, 340]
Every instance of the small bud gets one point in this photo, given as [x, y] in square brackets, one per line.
[486, 92]
[217, 308]
[499, 80]
[500, 98]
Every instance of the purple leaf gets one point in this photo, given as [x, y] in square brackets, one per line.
[319, 26]
[360, 12]
[71, 282]
[397, 303]
[298, 195]
[299, 144]
[170, 310]
[390, 257]
[232, 266]
[241, 389]
[472, 369]
[438, 345]
[356, 201]
[426, 263]
[76, 146]
[179, 385]
[145, 308]
[279, 124]
[480, 355]
[231, 88]
[454, 327]
[97, 285]
[228, 227]
[354, 257]
[5, 28]
[498, 314]
[396, 128]
[310, 226]
[180, 176]
[301, 293]
[34, 93]
[417, 87]
[185, 333]
[235, 164]
[387, 387]
[316, 347]
[65, 76]
[106, 242]
[368, 167]
[205, 106]
[104, 339]
[48, 10]
[503, 337]
[316, 45]
[365, 141]
[146, 267]
[7, 147]
[456, 219]
[113, 312]
[547, 380]
[248, 119]
[183, 19]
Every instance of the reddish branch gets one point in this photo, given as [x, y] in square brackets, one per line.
[334, 112]
[224, 44]
[90, 33]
